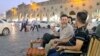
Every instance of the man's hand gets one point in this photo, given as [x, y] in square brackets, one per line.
[60, 48]
[53, 28]
[54, 46]
[57, 41]
[54, 43]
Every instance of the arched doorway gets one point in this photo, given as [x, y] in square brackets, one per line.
[72, 13]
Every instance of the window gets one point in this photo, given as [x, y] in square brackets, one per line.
[37, 15]
[90, 7]
[72, 13]
[47, 10]
[44, 22]
[83, 4]
[37, 9]
[44, 8]
[1, 21]
[53, 13]
[98, 3]
[66, 8]
[72, 6]
[43, 15]
[52, 7]
[46, 14]
[61, 12]
[56, 9]
[61, 6]
[33, 11]
[4, 20]
[85, 11]
[77, 8]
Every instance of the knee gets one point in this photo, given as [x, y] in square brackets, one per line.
[52, 41]
[51, 51]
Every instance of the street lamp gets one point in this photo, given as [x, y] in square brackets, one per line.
[34, 6]
[77, 2]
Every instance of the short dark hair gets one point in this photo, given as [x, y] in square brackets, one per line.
[82, 16]
[70, 18]
[63, 15]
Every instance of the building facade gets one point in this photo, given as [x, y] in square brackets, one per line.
[52, 9]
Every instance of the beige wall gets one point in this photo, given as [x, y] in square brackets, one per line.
[67, 7]
[56, 4]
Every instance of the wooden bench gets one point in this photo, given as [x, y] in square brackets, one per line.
[94, 48]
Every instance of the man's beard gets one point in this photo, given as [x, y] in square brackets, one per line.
[63, 25]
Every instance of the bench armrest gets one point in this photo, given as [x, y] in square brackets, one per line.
[70, 51]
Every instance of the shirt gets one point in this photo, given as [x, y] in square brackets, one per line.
[65, 32]
[34, 22]
[24, 21]
[83, 35]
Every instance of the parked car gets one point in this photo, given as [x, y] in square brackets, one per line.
[4, 27]
[10, 22]
[93, 24]
[44, 24]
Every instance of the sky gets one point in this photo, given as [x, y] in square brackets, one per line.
[8, 4]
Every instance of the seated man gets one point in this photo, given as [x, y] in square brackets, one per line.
[49, 36]
[79, 42]
[66, 32]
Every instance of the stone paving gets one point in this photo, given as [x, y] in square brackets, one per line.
[17, 42]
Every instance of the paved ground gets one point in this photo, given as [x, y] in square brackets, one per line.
[17, 43]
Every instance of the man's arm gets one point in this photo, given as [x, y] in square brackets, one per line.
[77, 47]
[64, 40]
[55, 33]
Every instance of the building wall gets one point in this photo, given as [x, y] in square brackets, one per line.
[66, 6]
[56, 7]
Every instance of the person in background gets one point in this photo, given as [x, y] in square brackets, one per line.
[70, 20]
[35, 24]
[32, 25]
[23, 25]
[79, 42]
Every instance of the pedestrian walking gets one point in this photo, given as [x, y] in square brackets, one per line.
[34, 25]
[24, 25]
